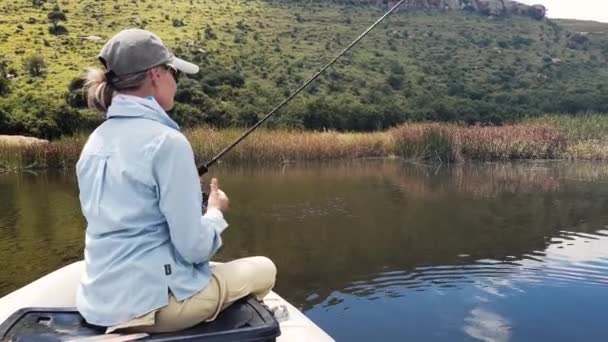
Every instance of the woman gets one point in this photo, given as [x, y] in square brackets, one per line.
[147, 246]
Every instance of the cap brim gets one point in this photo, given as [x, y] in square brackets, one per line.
[183, 66]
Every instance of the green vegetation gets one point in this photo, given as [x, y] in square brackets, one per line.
[56, 16]
[420, 65]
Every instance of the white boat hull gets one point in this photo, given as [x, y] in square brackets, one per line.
[58, 290]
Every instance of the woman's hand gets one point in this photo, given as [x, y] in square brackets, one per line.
[217, 198]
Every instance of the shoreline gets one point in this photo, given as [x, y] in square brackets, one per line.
[548, 138]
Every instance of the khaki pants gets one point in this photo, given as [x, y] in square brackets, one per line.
[230, 282]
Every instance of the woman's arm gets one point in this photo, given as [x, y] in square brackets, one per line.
[196, 238]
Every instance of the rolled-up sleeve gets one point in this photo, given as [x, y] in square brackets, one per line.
[196, 237]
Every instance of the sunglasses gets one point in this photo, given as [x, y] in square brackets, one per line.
[174, 72]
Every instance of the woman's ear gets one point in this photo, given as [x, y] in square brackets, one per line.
[154, 75]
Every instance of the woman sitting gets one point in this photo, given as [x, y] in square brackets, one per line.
[148, 246]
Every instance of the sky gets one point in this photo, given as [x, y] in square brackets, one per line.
[574, 9]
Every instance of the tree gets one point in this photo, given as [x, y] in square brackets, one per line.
[4, 122]
[35, 65]
[4, 82]
[4, 86]
[395, 81]
[66, 119]
[55, 16]
[76, 96]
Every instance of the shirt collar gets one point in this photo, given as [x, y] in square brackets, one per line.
[134, 106]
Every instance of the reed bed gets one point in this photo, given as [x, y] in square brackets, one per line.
[551, 137]
[287, 146]
[450, 142]
[588, 127]
[59, 154]
[587, 135]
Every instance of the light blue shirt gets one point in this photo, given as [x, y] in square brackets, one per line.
[141, 196]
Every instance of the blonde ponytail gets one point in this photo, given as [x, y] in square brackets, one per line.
[100, 89]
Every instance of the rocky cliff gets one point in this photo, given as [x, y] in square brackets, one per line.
[487, 7]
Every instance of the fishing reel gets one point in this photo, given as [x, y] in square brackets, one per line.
[202, 169]
[205, 202]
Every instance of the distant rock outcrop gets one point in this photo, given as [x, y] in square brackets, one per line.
[487, 7]
[537, 12]
[490, 7]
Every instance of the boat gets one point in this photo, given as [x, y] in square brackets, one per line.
[44, 310]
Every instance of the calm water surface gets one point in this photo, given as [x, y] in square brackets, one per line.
[385, 250]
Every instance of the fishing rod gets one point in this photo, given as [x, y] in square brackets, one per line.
[203, 168]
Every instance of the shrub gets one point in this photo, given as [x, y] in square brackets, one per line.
[395, 81]
[4, 122]
[4, 86]
[35, 65]
[209, 34]
[76, 96]
[231, 78]
[178, 23]
[56, 16]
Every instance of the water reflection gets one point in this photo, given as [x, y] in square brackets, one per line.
[474, 251]
[40, 226]
[437, 218]
[485, 325]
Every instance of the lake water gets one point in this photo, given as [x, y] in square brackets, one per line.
[384, 250]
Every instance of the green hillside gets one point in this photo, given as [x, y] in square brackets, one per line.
[417, 65]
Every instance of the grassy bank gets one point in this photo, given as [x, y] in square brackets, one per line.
[550, 137]
[418, 65]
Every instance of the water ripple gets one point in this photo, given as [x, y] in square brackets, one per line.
[555, 266]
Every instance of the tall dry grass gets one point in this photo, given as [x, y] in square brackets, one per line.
[60, 154]
[451, 142]
[550, 137]
[588, 127]
[286, 146]
[261, 146]
[587, 135]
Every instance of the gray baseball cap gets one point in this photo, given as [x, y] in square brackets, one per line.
[135, 50]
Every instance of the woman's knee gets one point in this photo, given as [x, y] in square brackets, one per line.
[267, 268]
[264, 273]
[257, 274]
